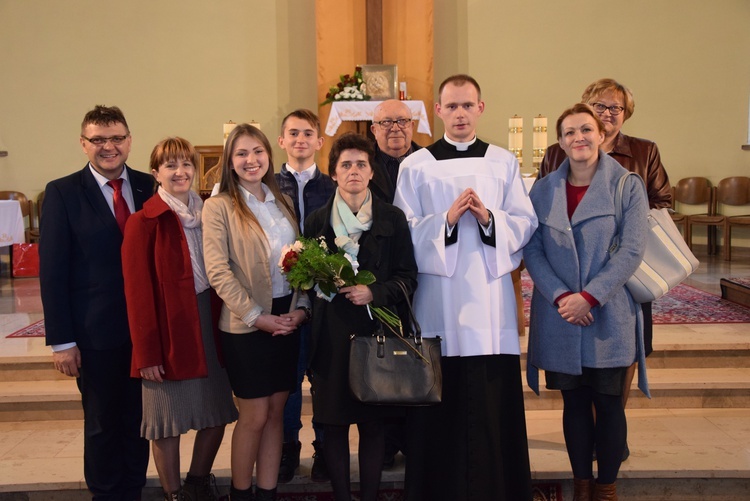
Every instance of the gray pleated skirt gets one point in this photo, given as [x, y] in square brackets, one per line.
[171, 408]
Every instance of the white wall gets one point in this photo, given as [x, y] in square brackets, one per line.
[686, 62]
[175, 67]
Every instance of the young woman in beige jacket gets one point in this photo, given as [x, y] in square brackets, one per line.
[244, 230]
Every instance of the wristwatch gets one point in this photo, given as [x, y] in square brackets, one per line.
[308, 313]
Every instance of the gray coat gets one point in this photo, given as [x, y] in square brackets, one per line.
[572, 255]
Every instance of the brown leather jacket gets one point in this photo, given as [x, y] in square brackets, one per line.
[635, 154]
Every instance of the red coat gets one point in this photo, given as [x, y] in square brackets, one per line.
[160, 293]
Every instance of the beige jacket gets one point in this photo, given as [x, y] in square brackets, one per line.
[237, 263]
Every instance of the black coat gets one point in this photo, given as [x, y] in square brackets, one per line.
[386, 250]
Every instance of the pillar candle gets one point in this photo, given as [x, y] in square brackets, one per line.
[540, 133]
[228, 127]
[515, 133]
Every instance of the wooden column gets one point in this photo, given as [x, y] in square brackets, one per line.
[374, 31]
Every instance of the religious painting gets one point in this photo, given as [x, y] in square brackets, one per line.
[209, 170]
[381, 81]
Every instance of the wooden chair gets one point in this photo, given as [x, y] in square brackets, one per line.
[734, 191]
[695, 191]
[27, 210]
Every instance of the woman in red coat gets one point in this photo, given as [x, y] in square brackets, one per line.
[169, 312]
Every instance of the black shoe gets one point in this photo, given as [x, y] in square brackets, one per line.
[200, 488]
[289, 461]
[319, 470]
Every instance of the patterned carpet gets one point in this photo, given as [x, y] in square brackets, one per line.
[34, 330]
[682, 305]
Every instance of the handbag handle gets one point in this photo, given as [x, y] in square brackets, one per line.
[618, 209]
[412, 317]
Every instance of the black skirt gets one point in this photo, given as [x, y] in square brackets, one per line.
[259, 364]
[606, 381]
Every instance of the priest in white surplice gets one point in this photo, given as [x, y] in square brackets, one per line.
[470, 216]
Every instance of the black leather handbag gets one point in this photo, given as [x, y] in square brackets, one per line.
[391, 369]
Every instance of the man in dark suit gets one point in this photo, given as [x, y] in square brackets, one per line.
[84, 301]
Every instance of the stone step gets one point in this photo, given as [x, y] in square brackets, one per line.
[686, 455]
[29, 368]
[670, 388]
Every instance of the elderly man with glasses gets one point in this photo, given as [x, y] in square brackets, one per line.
[393, 128]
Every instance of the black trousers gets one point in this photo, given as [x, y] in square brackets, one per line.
[115, 457]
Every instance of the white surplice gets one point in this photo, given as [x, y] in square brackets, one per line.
[465, 292]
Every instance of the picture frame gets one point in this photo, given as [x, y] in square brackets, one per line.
[381, 81]
[208, 169]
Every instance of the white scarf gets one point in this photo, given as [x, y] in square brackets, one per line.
[346, 226]
[190, 217]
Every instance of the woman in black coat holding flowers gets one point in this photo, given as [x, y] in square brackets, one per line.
[375, 235]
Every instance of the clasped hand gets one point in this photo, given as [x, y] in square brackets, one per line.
[280, 325]
[575, 310]
[468, 200]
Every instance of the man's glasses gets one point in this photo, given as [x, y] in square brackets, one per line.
[101, 141]
[613, 110]
[387, 124]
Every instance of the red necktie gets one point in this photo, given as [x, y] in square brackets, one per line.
[122, 212]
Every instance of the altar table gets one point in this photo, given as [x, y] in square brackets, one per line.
[360, 111]
[11, 223]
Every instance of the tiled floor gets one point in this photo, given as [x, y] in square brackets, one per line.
[49, 453]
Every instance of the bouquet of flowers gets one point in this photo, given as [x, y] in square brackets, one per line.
[308, 264]
[349, 88]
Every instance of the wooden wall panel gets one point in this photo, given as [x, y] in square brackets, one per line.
[408, 42]
[341, 44]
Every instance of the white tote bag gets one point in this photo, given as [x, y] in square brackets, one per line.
[667, 261]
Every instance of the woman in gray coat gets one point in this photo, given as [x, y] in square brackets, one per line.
[585, 328]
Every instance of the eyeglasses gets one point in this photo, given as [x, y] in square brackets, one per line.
[613, 110]
[101, 141]
[387, 123]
